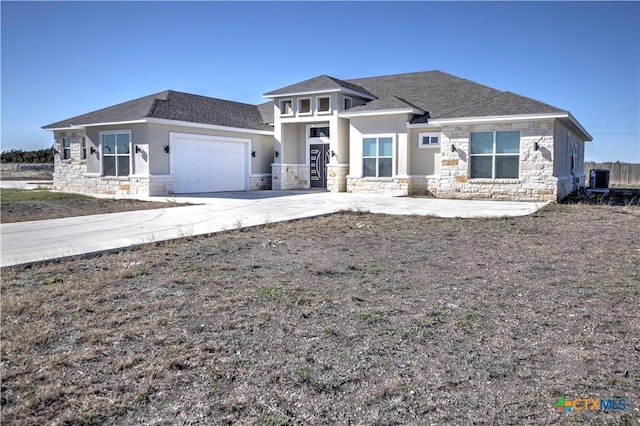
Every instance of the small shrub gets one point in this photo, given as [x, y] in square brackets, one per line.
[51, 280]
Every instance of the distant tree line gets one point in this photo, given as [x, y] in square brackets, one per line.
[19, 156]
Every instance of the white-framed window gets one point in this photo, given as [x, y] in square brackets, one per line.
[348, 102]
[323, 103]
[286, 107]
[304, 106]
[66, 148]
[83, 152]
[319, 132]
[495, 155]
[426, 140]
[116, 152]
[377, 156]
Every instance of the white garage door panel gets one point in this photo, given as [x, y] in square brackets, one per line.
[208, 165]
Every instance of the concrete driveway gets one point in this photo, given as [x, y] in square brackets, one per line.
[28, 242]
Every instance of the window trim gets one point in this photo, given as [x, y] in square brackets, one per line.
[115, 132]
[310, 111]
[286, 114]
[430, 135]
[377, 137]
[311, 127]
[344, 103]
[318, 110]
[66, 150]
[495, 154]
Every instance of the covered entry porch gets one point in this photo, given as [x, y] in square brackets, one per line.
[311, 155]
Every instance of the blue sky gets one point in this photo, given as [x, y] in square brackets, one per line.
[61, 59]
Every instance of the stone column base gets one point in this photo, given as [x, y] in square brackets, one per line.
[289, 176]
[337, 177]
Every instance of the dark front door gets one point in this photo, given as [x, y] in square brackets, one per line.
[319, 159]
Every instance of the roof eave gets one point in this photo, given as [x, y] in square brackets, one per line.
[347, 114]
[106, 123]
[572, 120]
[72, 127]
[152, 120]
[521, 117]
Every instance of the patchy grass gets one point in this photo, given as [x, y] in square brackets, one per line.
[13, 195]
[351, 318]
[20, 205]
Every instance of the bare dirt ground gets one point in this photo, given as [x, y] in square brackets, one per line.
[347, 319]
[19, 205]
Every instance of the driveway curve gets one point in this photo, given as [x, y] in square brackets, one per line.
[28, 242]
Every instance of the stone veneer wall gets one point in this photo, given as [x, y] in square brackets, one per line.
[535, 183]
[289, 176]
[395, 186]
[337, 177]
[259, 183]
[71, 176]
[568, 184]
[423, 185]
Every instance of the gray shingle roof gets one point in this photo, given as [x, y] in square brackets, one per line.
[172, 105]
[440, 94]
[266, 111]
[505, 103]
[320, 83]
[443, 95]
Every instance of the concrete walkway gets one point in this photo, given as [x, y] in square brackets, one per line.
[28, 242]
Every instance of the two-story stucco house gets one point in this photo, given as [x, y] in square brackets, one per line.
[417, 133]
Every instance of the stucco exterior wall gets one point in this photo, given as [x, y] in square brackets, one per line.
[423, 161]
[159, 138]
[393, 125]
[150, 172]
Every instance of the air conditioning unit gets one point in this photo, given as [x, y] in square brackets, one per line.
[598, 179]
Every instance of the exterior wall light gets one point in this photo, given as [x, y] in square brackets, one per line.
[166, 149]
[277, 154]
[92, 150]
[253, 154]
[536, 147]
[333, 154]
[453, 148]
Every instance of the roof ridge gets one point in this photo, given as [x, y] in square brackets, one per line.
[211, 97]
[153, 105]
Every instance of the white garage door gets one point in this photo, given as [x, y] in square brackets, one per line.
[201, 163]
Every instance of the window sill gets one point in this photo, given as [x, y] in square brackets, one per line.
[323, 112]
[429, 146]
[122, 178]
[500, 181]
[305, 114]
[378, 179]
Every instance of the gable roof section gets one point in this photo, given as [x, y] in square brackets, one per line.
[322, 83]
[266, 111]
[178, 106]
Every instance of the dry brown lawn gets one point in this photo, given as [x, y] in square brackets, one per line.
[21, 205]
[346, 319]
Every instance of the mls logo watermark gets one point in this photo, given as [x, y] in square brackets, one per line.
[589, 404]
